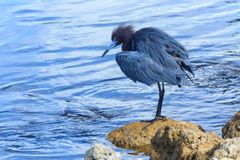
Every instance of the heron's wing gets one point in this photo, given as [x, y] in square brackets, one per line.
[139, 67]
[178, 52]
[154, 49]
[157, 43]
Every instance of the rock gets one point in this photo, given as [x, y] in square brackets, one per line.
[166, 139]
[101, 152]
[229, 149]
[232, 128]
[137, 135]
[179, 142]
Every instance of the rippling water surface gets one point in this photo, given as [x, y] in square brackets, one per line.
[58, 96]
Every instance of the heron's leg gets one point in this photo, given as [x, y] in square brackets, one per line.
[160, 100]
[163, 92]
[159, 106]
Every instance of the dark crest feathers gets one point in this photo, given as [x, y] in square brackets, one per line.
[122, 32]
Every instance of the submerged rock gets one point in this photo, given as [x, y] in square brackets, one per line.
[166, 139]
[229, 149]
[101, 152]
[232, 127]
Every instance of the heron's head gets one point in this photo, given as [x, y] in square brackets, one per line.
[121, 34]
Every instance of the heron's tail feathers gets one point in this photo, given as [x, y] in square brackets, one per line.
[185, 65]
[188, 67]
[189, 77]
[179, 80]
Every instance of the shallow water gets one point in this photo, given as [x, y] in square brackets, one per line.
[58, 96]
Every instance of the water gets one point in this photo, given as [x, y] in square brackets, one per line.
[58, 96]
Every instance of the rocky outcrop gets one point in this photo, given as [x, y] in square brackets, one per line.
[178, 142]
[229, 149]
[101, 152]
[232, 128]
[138, 135]
[166, 139]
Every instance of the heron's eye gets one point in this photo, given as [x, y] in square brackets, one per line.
[115, 39]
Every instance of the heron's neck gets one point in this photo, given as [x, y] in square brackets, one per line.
[127, 44]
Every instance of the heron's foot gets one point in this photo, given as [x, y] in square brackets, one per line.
[148, 121]
[155, 119]
[160, 118]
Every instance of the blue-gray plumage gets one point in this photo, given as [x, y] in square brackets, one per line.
[142, 68]
[151, 56]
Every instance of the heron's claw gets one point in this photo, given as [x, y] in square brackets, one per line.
[155, 119]
[160, 118]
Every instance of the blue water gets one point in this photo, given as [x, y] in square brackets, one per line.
[58, 96]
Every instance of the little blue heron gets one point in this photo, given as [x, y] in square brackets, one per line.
[151, 56]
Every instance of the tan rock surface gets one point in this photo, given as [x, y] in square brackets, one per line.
[179, 142]
[137, 135]
[166, 139]
[232, 127]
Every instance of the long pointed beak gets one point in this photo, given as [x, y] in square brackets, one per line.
[111, 46]
[105, 52]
